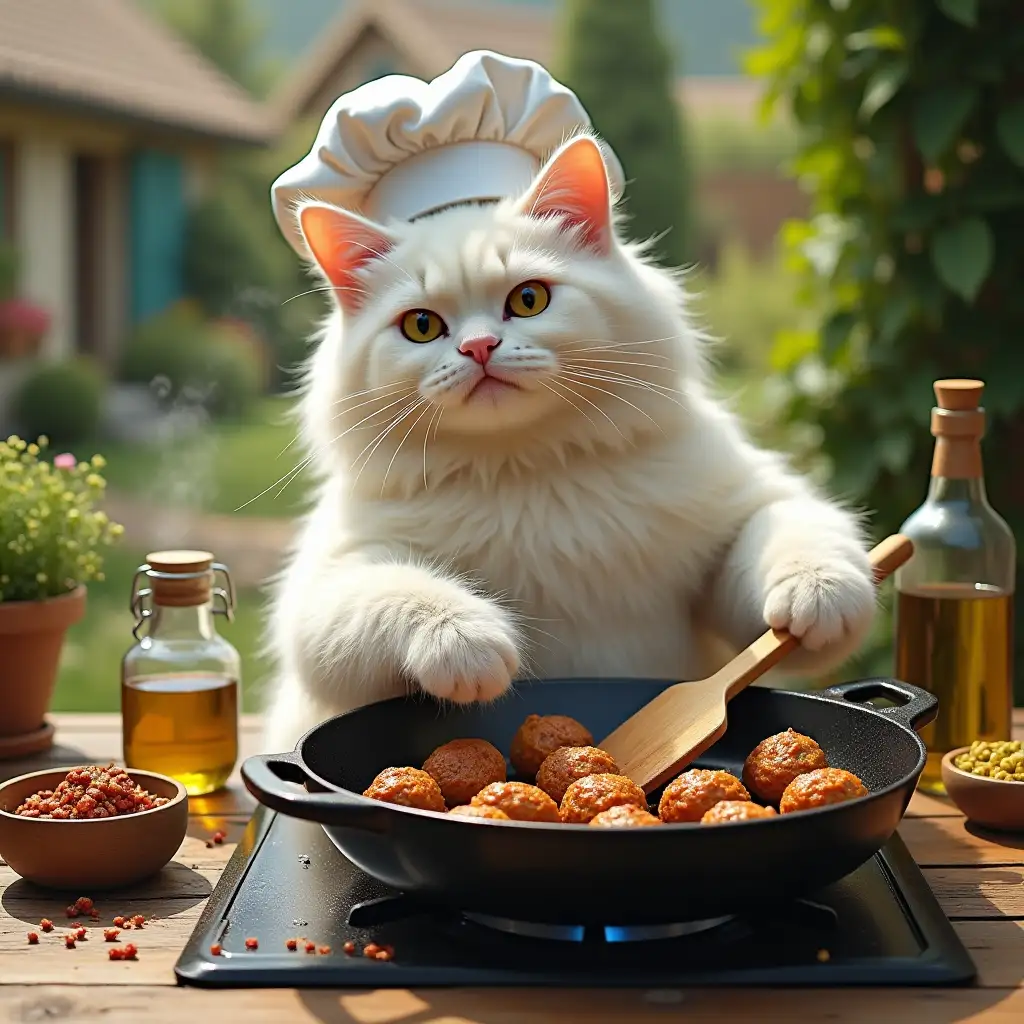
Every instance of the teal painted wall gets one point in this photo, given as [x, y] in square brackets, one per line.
[156, 225]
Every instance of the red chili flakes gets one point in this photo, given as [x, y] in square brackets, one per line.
[291, 944]
[310, 946]
[110, 934]
[33, 939]
[46, 924]
[125, 952]
[69, 940]
[138, 921]
[324, 950]
[90, 792]
[83, 904]
[215, 949]
[119, 921]
[350, 948]
[252, 943]
[80, 934]
[117, 953]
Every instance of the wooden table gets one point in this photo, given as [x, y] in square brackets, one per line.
[978, 880]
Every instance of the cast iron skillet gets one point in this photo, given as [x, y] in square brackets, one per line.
[581, 875]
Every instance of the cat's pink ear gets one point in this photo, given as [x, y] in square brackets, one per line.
[342, 243]
[573, 186]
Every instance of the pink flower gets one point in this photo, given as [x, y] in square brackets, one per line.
[65, 461]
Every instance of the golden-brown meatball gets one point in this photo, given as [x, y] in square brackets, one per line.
[821, 787]
[776, 761]
[624, 816]
[588, 797]
[692, 794]
[408, 787]
[519, 800]
[463, 767]
[562, 767]
[480, 811]
[735, 810]
[539, 735]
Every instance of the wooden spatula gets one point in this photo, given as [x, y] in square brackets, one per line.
[683, 721]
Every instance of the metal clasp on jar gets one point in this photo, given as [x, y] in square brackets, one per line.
[141, 599]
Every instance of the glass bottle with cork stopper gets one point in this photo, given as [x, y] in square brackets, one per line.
[954, 598]
[179, 682]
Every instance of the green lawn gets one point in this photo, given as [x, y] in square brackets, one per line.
[222, 469]
[90, 670]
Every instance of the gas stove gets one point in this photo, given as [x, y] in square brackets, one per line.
[880, 925]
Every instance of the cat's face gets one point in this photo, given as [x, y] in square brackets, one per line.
[484, 320]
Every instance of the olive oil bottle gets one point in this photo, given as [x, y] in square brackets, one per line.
[954, 598]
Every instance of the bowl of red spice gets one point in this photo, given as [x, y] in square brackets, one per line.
[91, 826]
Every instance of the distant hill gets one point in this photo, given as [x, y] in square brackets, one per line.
[707, 35]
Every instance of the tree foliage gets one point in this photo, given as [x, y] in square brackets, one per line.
[614, 57]
[913, 114]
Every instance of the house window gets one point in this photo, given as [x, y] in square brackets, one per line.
[6, 189]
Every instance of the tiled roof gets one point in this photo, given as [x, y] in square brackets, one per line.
[108, 55]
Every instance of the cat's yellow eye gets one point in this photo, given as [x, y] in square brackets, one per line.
[528, 299]
[421, 326]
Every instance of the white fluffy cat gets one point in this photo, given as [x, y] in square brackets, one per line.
[521, 471]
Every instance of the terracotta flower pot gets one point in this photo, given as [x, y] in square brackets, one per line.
[31, 639]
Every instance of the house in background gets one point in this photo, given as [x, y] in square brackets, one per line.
[373, 38]
[109, 129]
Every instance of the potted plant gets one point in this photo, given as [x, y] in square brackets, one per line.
[52, 540]
[23, 324]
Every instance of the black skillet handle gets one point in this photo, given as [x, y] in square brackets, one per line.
[914, 707]
[272, 778]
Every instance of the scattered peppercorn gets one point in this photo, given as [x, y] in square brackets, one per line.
[324, 950]
[215, 949]
[350, 948]
[292, 944]
[252, 943]
[46, 924]
[110, 934]
[33, 939]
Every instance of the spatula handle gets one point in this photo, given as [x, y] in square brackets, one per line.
[770, 648]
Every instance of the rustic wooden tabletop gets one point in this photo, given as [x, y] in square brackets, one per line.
[979, 881]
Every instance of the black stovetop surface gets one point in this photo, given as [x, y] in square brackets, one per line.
[881, 925]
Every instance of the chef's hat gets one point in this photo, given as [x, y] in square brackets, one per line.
[399, 147]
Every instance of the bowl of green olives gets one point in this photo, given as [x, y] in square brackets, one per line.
[986, 781]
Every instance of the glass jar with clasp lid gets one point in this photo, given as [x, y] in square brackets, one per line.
[180, 681]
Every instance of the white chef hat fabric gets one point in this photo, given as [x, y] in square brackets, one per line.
[400, 147]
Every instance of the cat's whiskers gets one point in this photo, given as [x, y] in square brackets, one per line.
[396, 395]
[405, 438]
[547, 386]
[426, 436]
[604, 391]
[626, 380]
[324, 289]
[376, 443]
[583, 398]
[387, 259]
[621, 362]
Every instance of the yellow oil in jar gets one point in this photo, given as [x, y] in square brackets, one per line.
[182, 725]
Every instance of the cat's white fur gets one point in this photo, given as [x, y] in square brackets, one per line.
[605, 518]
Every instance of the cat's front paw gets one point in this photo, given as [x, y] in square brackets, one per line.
[466, 654]
[823, 603]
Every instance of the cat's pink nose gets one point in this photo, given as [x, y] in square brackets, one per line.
[480, 347]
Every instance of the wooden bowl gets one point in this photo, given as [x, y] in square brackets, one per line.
[91, 854]
[992, 803]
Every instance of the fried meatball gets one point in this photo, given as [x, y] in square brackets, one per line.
[821, 787]
[775, 762]
[588, 797]
[539, 735]
[519, 800]
[480, 811]
[692, 794]
[409, 787]
[624, 816]
[736, 810]
[463, 767]
[562, 767]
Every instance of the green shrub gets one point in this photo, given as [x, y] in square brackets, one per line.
[62, 400]
[187, 360]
